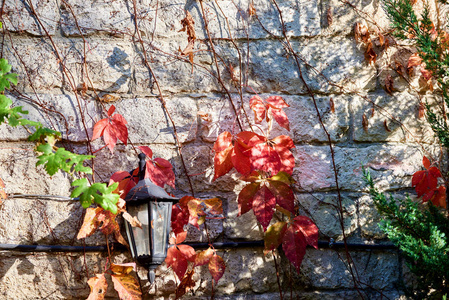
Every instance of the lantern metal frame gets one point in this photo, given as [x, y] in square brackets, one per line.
[151, 197]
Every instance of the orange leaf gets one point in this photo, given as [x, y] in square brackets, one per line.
[90, 223]
[98, 287]
[3, 195]
[204, 256]
[217, 267]
[127, 286]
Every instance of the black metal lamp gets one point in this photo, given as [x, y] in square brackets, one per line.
[152, 206]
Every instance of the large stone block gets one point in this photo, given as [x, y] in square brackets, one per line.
[337, 60]
[391, 166]
[18, 17]
[228, 19]
[324, 269]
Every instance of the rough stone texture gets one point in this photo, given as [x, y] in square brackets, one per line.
[104, 58]
[17, 17]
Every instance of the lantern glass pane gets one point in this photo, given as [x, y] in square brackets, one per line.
[141, 236]
[161, 215]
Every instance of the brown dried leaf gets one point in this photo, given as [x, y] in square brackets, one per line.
[399, 68]
[108, 98]
[204, 116]
[329, 16]
[389, 88]
[386, 126]
[370, 55]
[251, 9]
[186, 284]
[187, 25]
[365, 123]
[361, 33]
[132, 220]
[421, 110]
[332, 105]
[413, 61]
[98, 287]
[381, 38]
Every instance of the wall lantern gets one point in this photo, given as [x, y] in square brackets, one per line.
[152, 206]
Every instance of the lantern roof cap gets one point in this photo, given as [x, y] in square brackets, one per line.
[146, 189]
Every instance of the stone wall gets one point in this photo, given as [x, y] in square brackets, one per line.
[99, 54]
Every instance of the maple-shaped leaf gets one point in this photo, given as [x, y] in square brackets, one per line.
[98, 286]
[178, 257]
[274, 235]
[111, 128]
[125, 284]
[223, 150]
[217, 267]
[426, 181]
[186, 284]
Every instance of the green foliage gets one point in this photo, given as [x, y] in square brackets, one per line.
[6, 78]
[99, 193]
[54, 160]
[421, 232]
[433, 47]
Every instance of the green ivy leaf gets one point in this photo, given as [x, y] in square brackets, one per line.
[43, 132]
[61, 159]
[99, 193]
[6, 78]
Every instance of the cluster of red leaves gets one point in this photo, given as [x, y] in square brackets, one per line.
[159, 170]
[192, 211]
[294, 238]
[268, 109]
[125, 284]
[179, 256]
[267, 164]
[426, 184]
[111, 128]
[248, 151]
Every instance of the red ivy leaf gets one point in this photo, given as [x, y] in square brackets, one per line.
[439, 197]
[178, 257]
[276, 102]
[294, 245]
[203, 257]
[217, 267]
[281, 118]
[309, 230]
[147, 151]
[160, 171]
[223, 151]
[126, 182]
[257, 105]
[426, 162]
[264, 203]
[283, 193]
[246, 196]
[111, 128]
[265, 158]
[179, 218]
